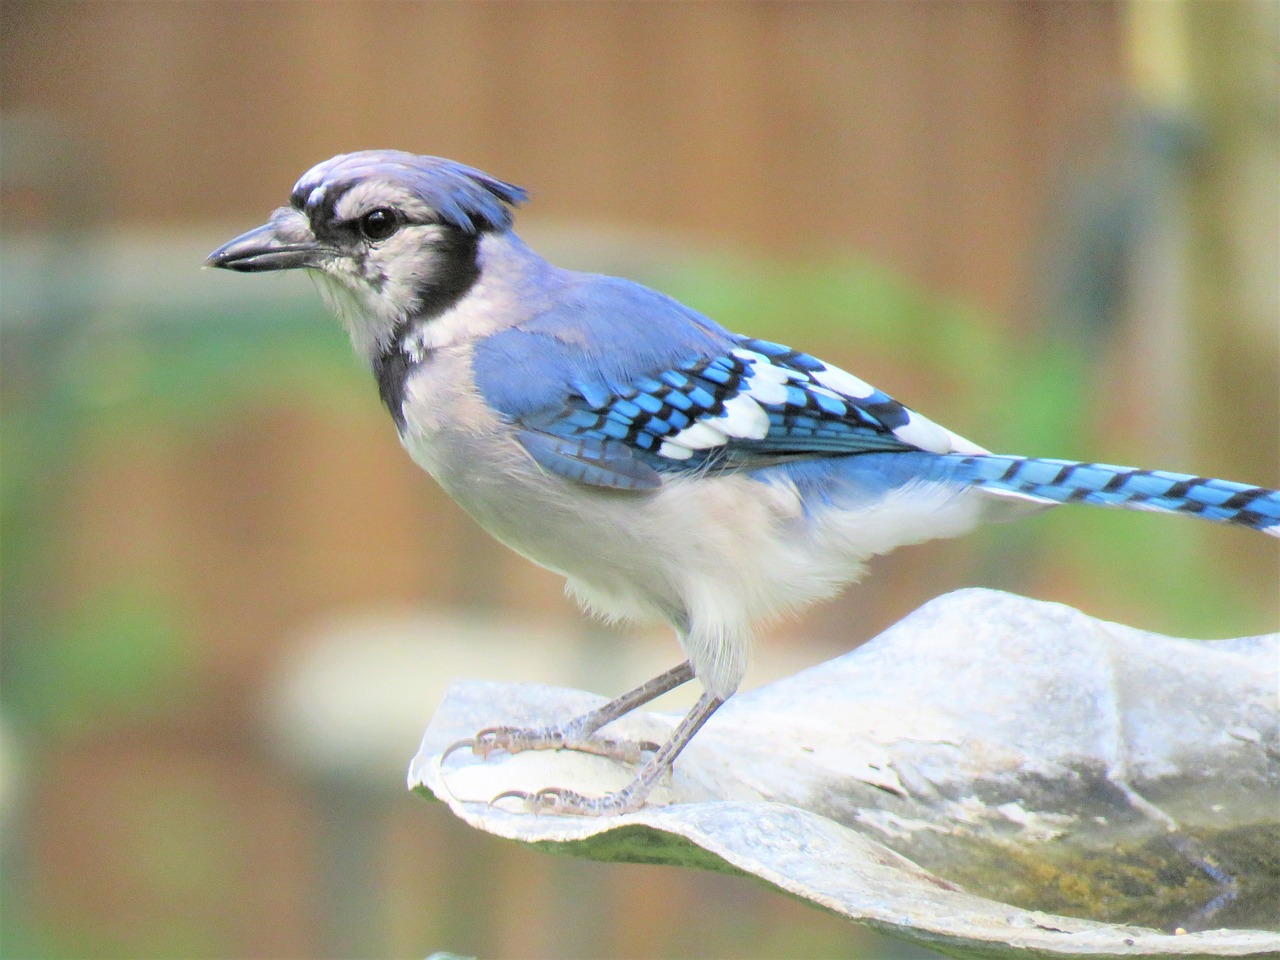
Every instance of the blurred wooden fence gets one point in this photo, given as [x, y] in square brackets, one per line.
[925, 136]
[921, 134]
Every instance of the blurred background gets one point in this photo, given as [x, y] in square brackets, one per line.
[230, 602]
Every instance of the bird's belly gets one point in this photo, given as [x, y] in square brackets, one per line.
[590, 535]
[711, 557]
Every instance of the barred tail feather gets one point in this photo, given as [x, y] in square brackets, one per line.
[1065, 481]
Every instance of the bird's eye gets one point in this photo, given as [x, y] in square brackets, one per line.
[379, 224]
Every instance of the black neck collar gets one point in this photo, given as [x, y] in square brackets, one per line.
[457, 259]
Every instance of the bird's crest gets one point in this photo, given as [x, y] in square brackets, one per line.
[458, 195]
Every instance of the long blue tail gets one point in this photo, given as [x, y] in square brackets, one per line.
[1065, 481]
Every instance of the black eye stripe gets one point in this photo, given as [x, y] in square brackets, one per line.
[321, 210]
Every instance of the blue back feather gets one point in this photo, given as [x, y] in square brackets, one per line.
[594, 343]
[617, 372]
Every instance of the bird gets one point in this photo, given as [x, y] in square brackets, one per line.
[668, 468]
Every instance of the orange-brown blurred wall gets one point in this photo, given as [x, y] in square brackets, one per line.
[920, 134]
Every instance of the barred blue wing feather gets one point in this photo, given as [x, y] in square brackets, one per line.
[754, 404]
[589, 460]
[760, 404]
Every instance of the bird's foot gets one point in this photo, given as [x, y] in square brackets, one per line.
[627, 800]
[519, 739]
[571, 803]
[563, 801]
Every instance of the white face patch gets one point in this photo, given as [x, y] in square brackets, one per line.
[291, 226]
[373, 290]
[373, 193]
[351, 300]
[404, 262]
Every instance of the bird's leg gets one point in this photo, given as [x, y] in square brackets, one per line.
[631, 797]
[578, 733]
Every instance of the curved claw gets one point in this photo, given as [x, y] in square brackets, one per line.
[548, 800]
[490, 739]
[513, 795]
[469, 743]
[511, 739]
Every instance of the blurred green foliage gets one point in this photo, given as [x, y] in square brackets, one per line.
[119, 654]
[117, 377]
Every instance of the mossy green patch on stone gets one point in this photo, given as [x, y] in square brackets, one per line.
[1155, 881]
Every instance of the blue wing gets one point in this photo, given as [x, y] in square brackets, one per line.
[619, 385]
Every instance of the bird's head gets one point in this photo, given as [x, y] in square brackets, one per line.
[391, 236]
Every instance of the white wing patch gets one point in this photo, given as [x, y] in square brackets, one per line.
[927, 435]
[924, 433]
[764, 382]
[919, 430]
[766, 390]
[843, 382]
[743, 418]
[967, 447]
[699, 435]
[673, 451]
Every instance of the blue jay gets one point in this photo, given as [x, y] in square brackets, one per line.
[666, 467]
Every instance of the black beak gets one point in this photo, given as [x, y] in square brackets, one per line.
[261, 249]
